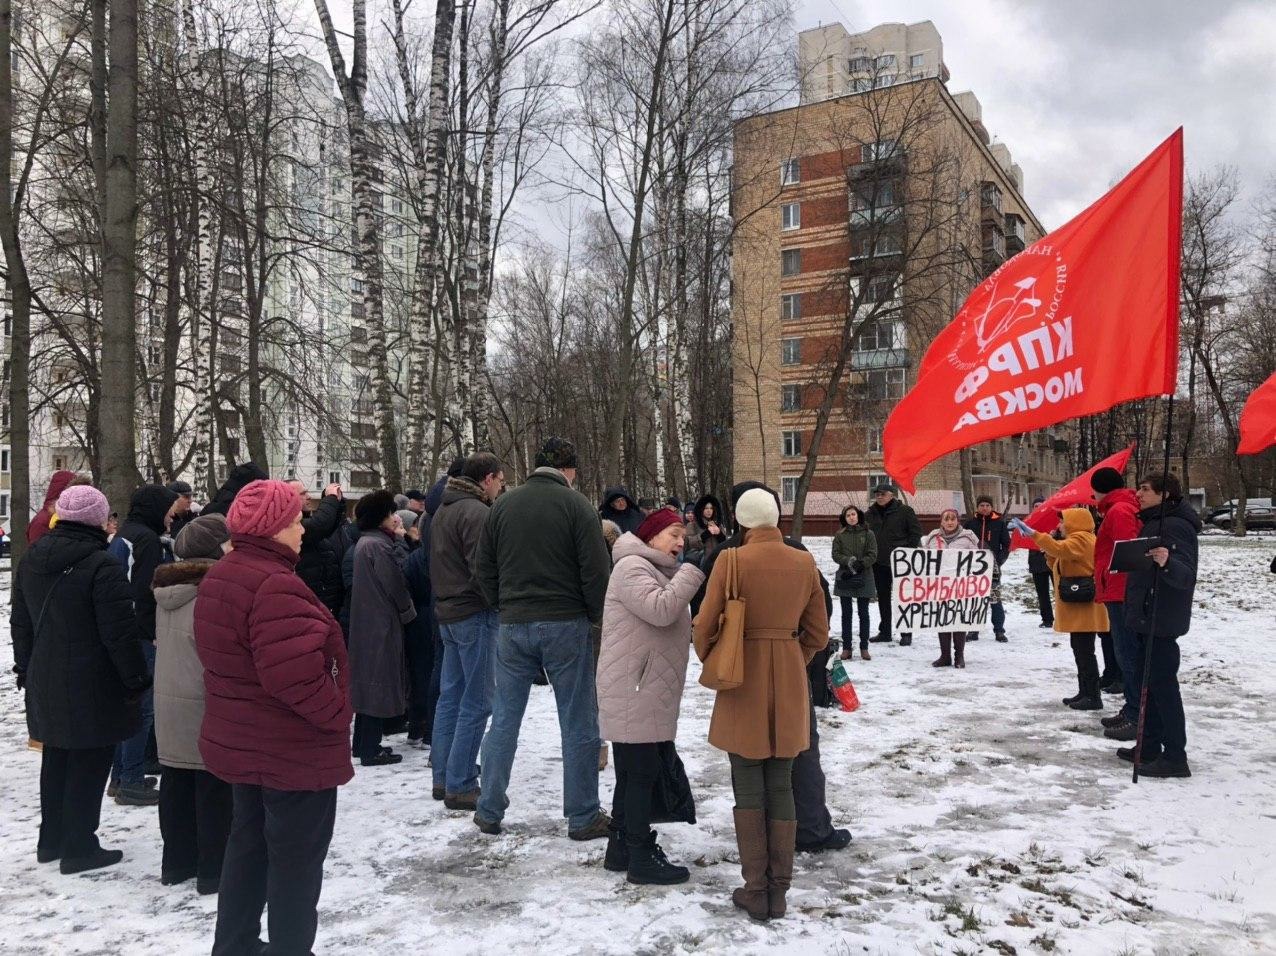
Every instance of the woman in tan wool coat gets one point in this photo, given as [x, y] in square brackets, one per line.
[1073, 557]
[765, 722]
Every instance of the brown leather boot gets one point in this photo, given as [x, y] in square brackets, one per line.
[945, 652]
[751, 838]
[864, 654]
[959, 650]
[781, 835]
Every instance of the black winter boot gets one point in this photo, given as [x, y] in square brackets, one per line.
[1090, 698]
[1069, 701]
[906, 640]
[616, 858]
[649, 866]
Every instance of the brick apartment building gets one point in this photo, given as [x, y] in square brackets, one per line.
[851, 210]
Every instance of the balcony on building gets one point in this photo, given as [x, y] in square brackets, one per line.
[1016, 237]
[994, 248]
[879, 160]
[990, 206]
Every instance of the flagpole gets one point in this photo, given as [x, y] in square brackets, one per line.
[1151, 637]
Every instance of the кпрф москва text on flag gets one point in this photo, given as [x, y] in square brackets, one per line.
[1258, 419]
[1081, 320]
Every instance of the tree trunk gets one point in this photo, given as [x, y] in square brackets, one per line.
[119, 267]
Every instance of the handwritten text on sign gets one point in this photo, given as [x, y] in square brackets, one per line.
[946, 590]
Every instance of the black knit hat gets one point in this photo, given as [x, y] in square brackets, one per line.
[556, 453]
[372, 509]
[1105, 480]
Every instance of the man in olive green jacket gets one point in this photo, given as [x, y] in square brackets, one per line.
[543, 566]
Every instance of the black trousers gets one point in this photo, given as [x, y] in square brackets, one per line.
[1043, 582]
[851, 608]
[1111, 664]
[195, 813]
[882, 580]
[274, 861]
[71, 786]
[367, 736]
[637, 768]
[814, 822]
[418, 650]
[1165, 724]
[1083, 653]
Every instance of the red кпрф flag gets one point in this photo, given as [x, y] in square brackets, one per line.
[1258, 419]
[1081, 320]
[1045, 517]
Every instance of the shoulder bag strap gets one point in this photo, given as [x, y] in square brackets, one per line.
[733, 575]
[39, 621]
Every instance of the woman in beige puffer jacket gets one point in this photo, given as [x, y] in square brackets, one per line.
[641, 672]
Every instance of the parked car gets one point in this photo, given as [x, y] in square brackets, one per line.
[1259, 515]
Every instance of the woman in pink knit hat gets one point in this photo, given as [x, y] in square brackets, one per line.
[276, 722]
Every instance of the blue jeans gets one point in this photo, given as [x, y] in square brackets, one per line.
[1128, 657]
[465, 701]
[562, 648]
[129, 766]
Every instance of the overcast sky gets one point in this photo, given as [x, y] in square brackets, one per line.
[1081, 90]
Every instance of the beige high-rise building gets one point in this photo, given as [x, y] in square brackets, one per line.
[864, 216]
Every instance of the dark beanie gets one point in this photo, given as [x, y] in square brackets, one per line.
[372, 509]
[556, 453]
[656, 522]
[1105, 480]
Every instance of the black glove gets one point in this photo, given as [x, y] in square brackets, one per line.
[856, 565]
[22, 677]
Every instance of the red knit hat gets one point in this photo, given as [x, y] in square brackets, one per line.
[263, 509]
[656, 522]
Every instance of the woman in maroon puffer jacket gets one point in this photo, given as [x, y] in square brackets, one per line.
[276, 721]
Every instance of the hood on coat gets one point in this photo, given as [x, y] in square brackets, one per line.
[1077, 519]
[57, 484]
[180, 572]
[457, 489]
[172, 597]
[1121, 495]
[67, 543]
[611, 532]
[149, 506]
[1173, 509]
[717, 511]
[237, 479]
[612, 494]
[629, 545]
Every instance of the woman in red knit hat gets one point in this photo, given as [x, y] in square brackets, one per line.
[276, 722]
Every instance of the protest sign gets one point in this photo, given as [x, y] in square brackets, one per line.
[940, 590]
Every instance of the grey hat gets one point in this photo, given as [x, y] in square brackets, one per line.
[407, 516]
[202, 538]
[180, 488]
[400, 501]
[884, 488]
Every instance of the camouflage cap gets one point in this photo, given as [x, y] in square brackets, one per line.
[556, 453]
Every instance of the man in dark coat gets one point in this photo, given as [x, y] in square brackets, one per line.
[620, 508]
[139, 548]
[182, 512]
[320, 564]
[240, 476]
[78, 655]
[1042, 580]
[1158, 609]
[894, 525]
[815, 824]
[993, 534]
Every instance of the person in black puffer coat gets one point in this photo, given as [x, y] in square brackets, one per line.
[240, 477]
[77, 652]
[621, 509]
[894, 525]
[706, 530]
[320, 562]
[1173, 577]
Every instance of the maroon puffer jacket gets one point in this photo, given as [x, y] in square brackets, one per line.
[277, 710]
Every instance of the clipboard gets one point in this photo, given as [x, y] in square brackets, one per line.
[1132, 555]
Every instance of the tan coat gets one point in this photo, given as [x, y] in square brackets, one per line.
[1073, 557]
[785, 625]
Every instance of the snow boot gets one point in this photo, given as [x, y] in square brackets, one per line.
[616, 859]
[649, 866]
[751, 839]
[945, 658]
[1090, 699]
[1069, 701]
[1160, 767]
[1001, 638]
[972, 636]
[906, 640]
[959, 650]
[781, 835]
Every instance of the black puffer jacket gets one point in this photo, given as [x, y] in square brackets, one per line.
[895, 526]
[628, 519]
[140, 547]
[1175, 583]
[240, 476]
[700, 543]
[84, 671]
[321, 552]
[992, 532]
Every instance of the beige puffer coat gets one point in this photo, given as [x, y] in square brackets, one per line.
[179, 675]
[646, 641]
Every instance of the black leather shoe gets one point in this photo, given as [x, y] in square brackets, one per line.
[382, 758]
[836, 840]
[880, 639]
[96, 860]
[1164, 768]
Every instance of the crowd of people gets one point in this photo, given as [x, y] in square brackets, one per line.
[249, 651]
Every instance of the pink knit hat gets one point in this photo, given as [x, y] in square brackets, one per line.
[83, 504]
[263, 509]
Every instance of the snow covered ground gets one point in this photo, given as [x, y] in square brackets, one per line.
[987, 818]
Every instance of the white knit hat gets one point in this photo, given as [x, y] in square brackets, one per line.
[757, 509]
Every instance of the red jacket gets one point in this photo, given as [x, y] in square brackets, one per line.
[277, 711]
[1120, 513]
[39, 525]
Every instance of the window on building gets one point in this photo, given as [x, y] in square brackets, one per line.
[791, 306]
[790, 354]
[4, 506]
[887, 245]
[880, 289]
[883, 81]
[364, 479]
[886, 384]
[356, 285]
[875, 335]
[8, 320]
[790, 398]
[59, 420]
[874, 196]
[790, 215]
[861, 84]
[790, 172]
[790, 262]
[879, 479]
[880, 149]
[334, 477]
[885, 61]
[917, 61]
[59, 463]
[792, 444]
[860, 64]
[788, 489]
[873, 439]
[4, 461]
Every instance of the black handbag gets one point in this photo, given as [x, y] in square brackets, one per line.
[671, 798]
[1077, 590]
